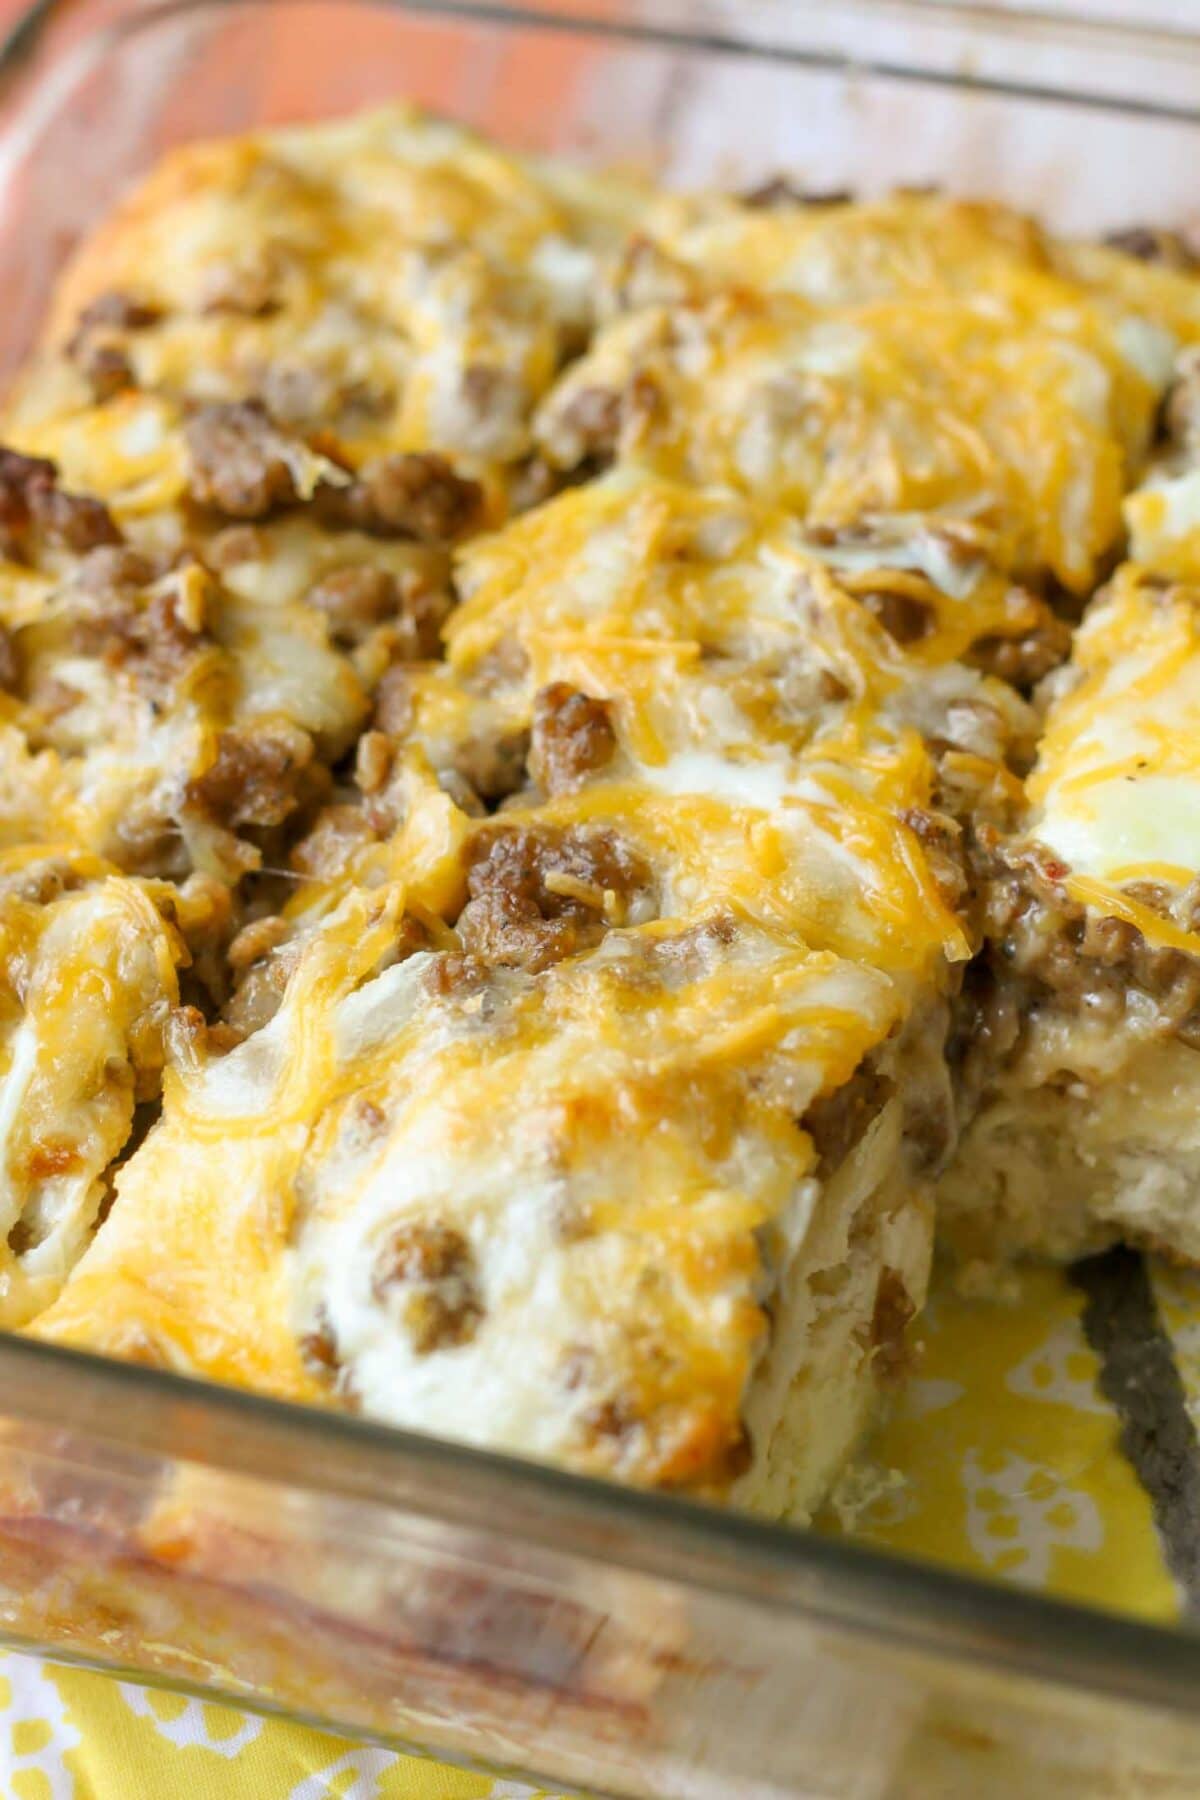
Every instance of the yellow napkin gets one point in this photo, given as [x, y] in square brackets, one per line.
[1001, 1455]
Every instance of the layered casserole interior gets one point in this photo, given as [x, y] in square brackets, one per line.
[556, 810]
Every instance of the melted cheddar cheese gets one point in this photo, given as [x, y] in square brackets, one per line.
[586, 633]
[538, 1190]
[1025, 422]
[742, 677]
[391, 280]
[540, 1216]
[133, 672]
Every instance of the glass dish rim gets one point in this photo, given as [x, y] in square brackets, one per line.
[663, 23]
[906, 1601]
[911, 1603]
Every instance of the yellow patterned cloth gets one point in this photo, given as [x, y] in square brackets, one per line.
[67, 1735]
[1000, 1456]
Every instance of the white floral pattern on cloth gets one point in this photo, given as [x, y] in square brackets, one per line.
[364, 1769]
[36, 1733]
[1059, 1369]
[194, 1724]
[69, 1735]
[1019, 1514]
[999, 1456]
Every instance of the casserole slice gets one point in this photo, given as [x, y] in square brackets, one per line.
[599, 1126]
[562, 1213]
[891, 407]
[1077, 1044]
[177, 682]
[637, 645]
[390, 281]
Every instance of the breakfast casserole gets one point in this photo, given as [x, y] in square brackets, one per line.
[557, 810]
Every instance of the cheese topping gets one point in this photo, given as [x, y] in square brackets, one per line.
[526, 1216]
[392, 280]
[768, 734]
[1024, 421]
[676, 571]
[533, 1182]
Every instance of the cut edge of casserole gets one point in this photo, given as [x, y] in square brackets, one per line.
[1082, 1041]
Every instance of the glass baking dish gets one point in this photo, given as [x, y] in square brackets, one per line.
[400, 1587]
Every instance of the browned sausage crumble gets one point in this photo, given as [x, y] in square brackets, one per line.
[34, 510]
[572, 737]
[240, 464]
[425, 1273]
[540, 894]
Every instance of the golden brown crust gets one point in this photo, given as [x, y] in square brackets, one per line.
[108, 261]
